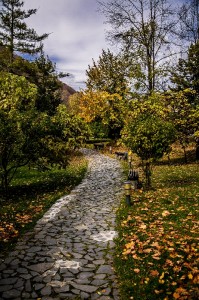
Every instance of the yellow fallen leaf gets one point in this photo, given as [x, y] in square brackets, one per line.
[161, 281]
[190, 276]
[162, 276]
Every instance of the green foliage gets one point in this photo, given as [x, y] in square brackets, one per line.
[109, 74]
[45, 77]
[73, 129]
[98, 129]
[31, 136]
[149, 137]
[97, 107]
[183, 112]
[42, 73]
[186, 74]
[147, 133]
[17, 98]
[14, 32]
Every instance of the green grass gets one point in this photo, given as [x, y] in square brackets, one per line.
[31, 194]
[157, 253]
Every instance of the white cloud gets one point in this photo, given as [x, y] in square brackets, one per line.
[77, 33]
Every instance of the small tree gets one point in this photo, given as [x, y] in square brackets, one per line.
[149, 136]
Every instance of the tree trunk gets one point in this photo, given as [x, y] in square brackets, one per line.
[185, 154]
[5, 183]
[148, 175]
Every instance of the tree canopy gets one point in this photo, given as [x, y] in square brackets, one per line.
[17, 98]
[102, 107]
[109, 74]
[147, 132]
[186, 73]
[31, 136]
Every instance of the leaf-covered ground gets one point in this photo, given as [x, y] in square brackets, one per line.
[31, 194]
[157, 248]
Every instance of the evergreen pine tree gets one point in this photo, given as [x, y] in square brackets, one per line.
[14, 32]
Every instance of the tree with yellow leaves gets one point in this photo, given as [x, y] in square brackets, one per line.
[101, 107]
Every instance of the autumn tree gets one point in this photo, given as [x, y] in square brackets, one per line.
[109, 74]
[99, 107]
[14, 32]
[144, 29]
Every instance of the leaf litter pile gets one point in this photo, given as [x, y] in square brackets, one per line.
[157, 248]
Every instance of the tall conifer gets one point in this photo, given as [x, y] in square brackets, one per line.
[14, 32]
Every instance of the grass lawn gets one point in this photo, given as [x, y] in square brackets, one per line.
[157, 253]
[31, 194]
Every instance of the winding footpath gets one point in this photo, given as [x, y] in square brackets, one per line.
[68, 255]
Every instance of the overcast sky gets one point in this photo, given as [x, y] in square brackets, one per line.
[77, 34]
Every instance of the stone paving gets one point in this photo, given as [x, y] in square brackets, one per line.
[68, 255]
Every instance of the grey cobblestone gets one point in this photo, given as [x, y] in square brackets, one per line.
[69, 252]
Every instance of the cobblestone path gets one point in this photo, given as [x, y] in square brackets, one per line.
[68, 255]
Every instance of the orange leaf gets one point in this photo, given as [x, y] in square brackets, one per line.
[176, 295]
[136, 271]
[154, 273]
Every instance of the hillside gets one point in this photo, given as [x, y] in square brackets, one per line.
[67, 91]
[24, 70]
